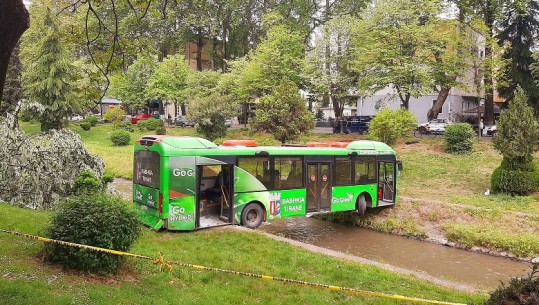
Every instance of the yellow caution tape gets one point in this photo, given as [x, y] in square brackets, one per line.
[163, 264]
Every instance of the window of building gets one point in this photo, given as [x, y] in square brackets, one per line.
[259, 168]
[365, 170]
[288, 173]
[343, 171]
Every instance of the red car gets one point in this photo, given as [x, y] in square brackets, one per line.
[140, 116]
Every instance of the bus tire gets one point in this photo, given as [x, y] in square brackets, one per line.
[361, 205]
[252, 216]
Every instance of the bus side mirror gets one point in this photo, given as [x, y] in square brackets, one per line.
[399, 166]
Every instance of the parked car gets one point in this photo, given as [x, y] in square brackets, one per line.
[490, 130]
[140, 117]
[359, 124]
[182, 121]
[436, 125]
[228, 123]
[76, 118]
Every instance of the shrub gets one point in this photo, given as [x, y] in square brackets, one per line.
[522, 291]
[459, 138]
[150, 124]
[101, 221]
[522, 180]
[161, 130]
[114, 115]
[91, 119]
[390, 125]
[87, 183]
[127, 126]
[120, 137]
[85, 126]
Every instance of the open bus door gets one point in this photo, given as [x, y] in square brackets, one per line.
[386, 182]
[214, 201]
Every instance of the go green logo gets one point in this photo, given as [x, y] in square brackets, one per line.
[183, 172]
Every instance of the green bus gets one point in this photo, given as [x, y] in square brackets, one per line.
[189, 183]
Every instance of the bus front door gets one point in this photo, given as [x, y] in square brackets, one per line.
[318, 187]
[386, 183]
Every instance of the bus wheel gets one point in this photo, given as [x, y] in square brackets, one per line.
[361, 205]
[252, 216]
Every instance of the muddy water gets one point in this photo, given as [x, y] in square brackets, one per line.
[479, 270]
[467, 267]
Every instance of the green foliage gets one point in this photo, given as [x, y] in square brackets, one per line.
[518, 130]
[395, 46]
[85, 126]
[150, 124]
[169, 79]
[459, 138]
[114, 115]
[279, 56]
[390, 125]
[120, 137]
[161, 130]
[520, 290]
[127, 126]
[517, 139]
[210, 113]
[87, 183]
[91, 119]
[515, 179]
[100, 221]
[131, 87]
[283, 113]
[48, 72]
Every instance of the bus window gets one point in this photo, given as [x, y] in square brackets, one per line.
[258, 167]
[147, 168]
[288, 172]
[343, 171]
[365, 170]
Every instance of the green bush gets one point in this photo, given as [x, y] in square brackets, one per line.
[127, 126]
[91, 119]
[390, 125]
[120, 137]
[87, 183]
[161, 130]
[100, 221]
[521, 180]
[85, 126]
[522, 291]
[150, 124]
[459, 138]
[114, 115]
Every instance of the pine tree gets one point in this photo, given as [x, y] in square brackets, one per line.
[12, 88]
[519, 31]
[47, 74]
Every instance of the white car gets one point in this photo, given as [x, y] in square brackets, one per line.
[77, 118]
[228, 122]
[437, 125]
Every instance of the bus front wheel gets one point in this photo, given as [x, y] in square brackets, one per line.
[252, 216]
[361, 205]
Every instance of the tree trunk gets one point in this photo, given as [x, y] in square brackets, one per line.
[14, 20]
[440, 100]
[184, 111]
[488, 117]
[200, 45]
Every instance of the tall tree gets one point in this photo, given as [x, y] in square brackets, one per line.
[169, 80]
[130, 87]
[14, 20]
[47, 74]
[392, 48]
[519, 32]
[13, 89]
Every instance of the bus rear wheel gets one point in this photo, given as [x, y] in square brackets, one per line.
[252, 216]
[361, 205]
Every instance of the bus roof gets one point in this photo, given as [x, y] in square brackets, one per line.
[193, 146]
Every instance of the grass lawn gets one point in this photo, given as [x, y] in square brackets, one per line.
[27, 280]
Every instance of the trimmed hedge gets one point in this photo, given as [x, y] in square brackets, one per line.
[120, 138]
[459, 138]
[150, 124]
[85, 126]
[521, 180]
[101, 221]
[127, 126]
